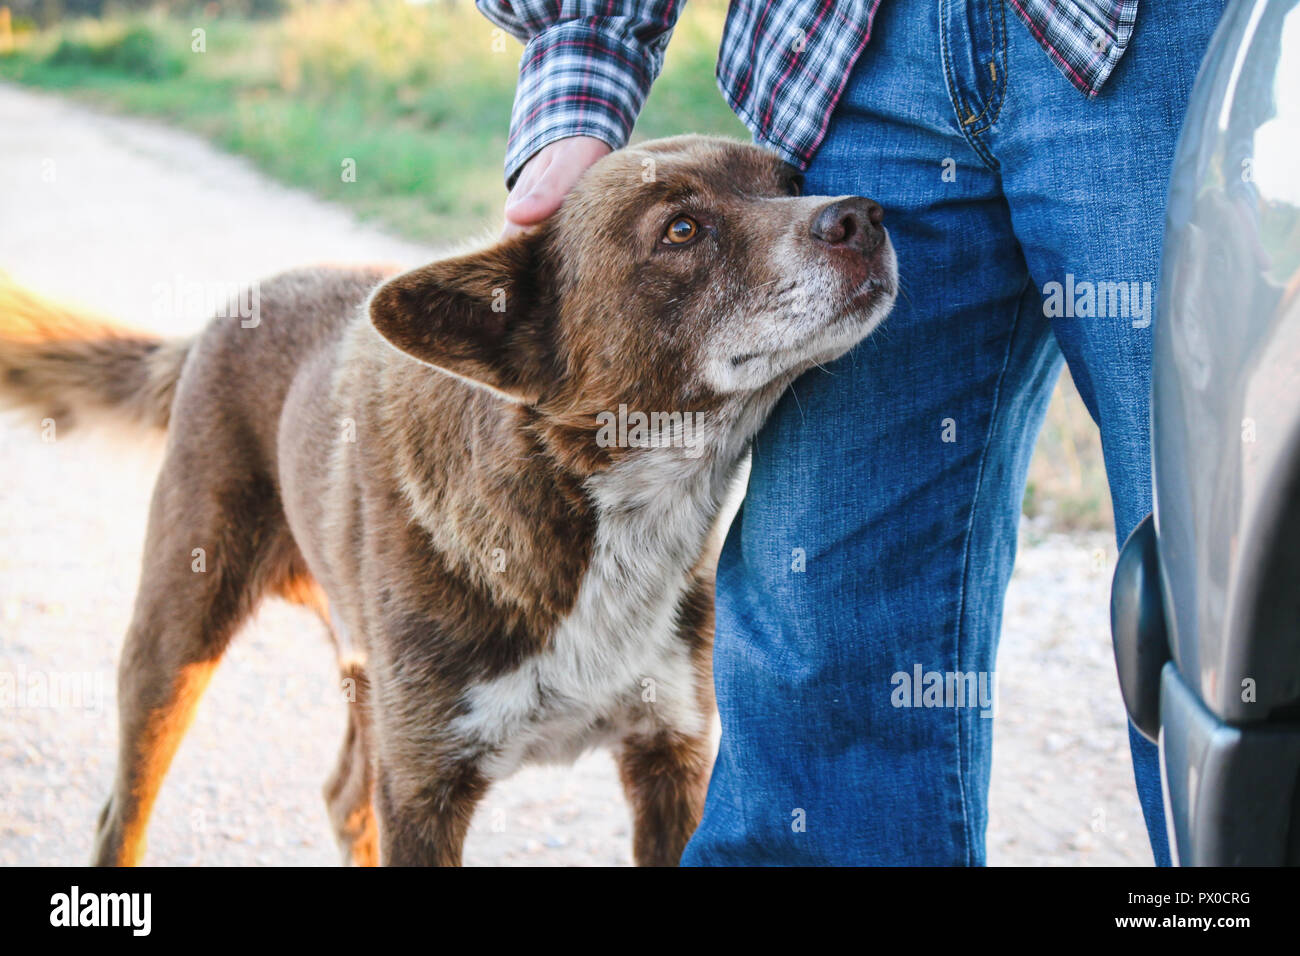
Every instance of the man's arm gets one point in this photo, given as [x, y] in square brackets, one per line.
[584, 76]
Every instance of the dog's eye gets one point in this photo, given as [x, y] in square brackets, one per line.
[681, 230]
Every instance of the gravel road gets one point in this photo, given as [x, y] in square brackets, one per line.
[99, 210]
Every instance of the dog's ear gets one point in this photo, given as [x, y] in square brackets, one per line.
[485, 317]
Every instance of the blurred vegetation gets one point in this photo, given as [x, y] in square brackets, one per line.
[417, 97]
[1067, 478]
[134, 52]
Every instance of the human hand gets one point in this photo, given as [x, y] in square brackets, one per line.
[547, 178]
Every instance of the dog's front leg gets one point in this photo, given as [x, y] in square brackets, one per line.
[665, 777]
[424, 812]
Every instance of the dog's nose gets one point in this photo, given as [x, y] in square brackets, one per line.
[852, 223]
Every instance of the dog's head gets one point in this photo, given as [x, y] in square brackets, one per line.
[682, 274]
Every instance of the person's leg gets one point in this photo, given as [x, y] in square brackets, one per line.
[1086, 182]
[879, 530]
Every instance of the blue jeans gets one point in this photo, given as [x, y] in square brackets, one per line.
[879, 529]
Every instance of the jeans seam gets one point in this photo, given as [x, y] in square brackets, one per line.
[943, 51]
[995, 95]
[955, 97]
[962, 770]
[1000, 94]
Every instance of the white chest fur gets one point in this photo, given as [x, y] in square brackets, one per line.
[616, 664]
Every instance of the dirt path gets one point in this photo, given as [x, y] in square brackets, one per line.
[100, 210]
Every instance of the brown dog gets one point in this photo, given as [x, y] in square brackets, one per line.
[495, 477]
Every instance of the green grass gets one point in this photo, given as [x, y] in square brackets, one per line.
[415, 98]
[418, 97]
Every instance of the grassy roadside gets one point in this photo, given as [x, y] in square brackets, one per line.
[415, 99]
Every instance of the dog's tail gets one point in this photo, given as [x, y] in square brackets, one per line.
[62, 363]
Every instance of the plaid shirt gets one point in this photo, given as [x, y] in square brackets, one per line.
[588, 64]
